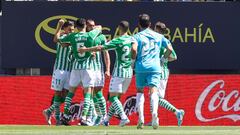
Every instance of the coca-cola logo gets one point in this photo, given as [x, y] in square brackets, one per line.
[220, 100]
[130, 105]
[75, 111]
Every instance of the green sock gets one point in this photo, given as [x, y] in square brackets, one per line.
[86, 104]
[101, 102]
[62, 100]
[68, 102]
[50, 109]
[111, 111]
[57, 102]
[117, 105]
[164, 103]
[96, 105]
[91, 107]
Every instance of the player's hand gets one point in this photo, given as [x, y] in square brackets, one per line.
[93, 55]
[61, 22]
[99, 48]
[82, 50]
[107, 74]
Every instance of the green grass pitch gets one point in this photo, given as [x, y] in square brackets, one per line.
[115, 130]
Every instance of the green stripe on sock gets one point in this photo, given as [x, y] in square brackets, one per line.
[51, 109]
[164, 103]
[86, 104]
[68, 101]
[57, 100]
[101, 102]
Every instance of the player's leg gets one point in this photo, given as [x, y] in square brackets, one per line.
[86, 103]
[48, 112]
[166, 104]
[65, 86]
[90, 112]
[140, 83]
[73, 83]
[117, 87]
[99, 100]
[58, 85]
[88, 84]
[153, 80]
[125, 86]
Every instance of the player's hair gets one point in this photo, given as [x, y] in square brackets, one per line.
[144, 20]
[68, 23]
[80, 23]
[124, 25]
[90, 20]
[161, 27]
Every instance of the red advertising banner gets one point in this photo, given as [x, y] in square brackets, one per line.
[206, 99]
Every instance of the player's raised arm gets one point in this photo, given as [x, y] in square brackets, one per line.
[58, 31]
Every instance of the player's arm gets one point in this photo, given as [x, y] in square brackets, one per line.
[106, 57]
[166, 43]
[173, 56]
[134, 49]
[90, 49]
[107, 62]
[58, 31]
[108, 46]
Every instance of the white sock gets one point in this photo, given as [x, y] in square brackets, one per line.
[154, 103]
[123, 116]
[140, 106]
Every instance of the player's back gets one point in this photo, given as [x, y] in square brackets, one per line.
[122, 46]
[79, 40]
[148, 51]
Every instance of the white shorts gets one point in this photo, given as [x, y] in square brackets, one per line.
[119, 85]
[162, 87]
[98, 78]
[60, 80]
[84, 77]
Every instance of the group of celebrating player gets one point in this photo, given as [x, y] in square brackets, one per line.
[79, 62]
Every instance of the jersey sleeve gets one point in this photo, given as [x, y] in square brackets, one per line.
[110, 45]
[94, 33]
[103, 40]
[165, 42]
[66, 39]
[173, 54]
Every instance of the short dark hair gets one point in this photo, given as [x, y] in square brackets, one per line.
[68, 23]
[90, 20]
[161, 27]
[144, 20]
[124, 26]
[80, 23]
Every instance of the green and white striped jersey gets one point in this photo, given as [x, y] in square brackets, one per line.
[78, 40]
[97, 63]
[62, 61]
[122, 46]
[165, 70]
